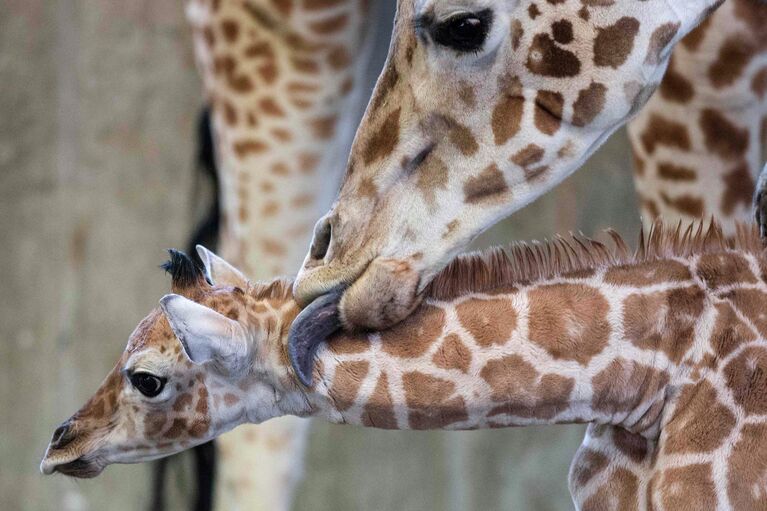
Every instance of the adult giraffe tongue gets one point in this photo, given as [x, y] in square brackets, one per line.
[318, 321]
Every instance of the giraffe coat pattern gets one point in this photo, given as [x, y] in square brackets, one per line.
[667, 346]
[279, 72]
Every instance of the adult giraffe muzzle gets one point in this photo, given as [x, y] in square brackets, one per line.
[483, 106]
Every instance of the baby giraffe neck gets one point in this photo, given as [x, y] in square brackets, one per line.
[538, 355]
[606, 346]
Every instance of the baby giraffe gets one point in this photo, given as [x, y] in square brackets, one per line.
[668, 343]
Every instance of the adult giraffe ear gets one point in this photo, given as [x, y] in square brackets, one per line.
[313, 325]
[218, 271]
[206, 335]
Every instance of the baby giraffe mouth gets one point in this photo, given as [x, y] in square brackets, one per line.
[78, 467]
[313, 326]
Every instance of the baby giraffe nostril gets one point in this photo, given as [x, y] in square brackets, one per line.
[62, 436]
[321, 241]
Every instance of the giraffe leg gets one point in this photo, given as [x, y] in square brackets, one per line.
[611, 470]
[698, 142]
[285, 83]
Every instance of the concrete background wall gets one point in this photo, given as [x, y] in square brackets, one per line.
[97, 106]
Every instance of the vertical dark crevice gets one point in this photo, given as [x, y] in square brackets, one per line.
[205, 233]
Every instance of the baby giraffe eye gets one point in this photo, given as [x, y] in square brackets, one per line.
[464, 32]
[148, 384]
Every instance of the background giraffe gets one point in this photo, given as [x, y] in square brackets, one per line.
[668, 344]
[285, 85]
[699, 141]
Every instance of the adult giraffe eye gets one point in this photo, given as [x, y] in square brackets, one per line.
[148, 384]
[465, 32]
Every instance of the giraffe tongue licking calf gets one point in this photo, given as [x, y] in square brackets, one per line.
[314, 325]
[668, 345]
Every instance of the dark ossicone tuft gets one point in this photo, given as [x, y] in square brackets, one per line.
[184, 271]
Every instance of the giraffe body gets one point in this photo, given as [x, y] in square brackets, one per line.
[669, 345]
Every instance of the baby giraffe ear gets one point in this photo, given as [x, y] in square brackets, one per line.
[218, 271]
[206, 335]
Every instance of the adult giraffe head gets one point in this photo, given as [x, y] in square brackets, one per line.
[483, 105]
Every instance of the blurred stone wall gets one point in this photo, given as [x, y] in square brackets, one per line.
[97, 107]
[98, 100]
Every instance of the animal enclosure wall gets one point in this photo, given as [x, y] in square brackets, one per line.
[98, 102]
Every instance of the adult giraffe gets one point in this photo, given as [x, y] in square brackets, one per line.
[282, 81]
[697, 143]
[484, 105]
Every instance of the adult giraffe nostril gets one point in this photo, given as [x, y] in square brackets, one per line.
[321, 242]
[62, 436]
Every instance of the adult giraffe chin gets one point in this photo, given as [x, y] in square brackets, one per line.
[483, 106]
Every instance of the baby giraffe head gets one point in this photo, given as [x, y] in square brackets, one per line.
[194, 367]
[483, 106]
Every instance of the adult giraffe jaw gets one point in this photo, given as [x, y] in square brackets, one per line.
[349, 285]
[482, 107]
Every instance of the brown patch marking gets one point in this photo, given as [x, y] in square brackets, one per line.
[488, 185]
[453, 354]
[379, 409]
[507, 114]
[569, 321]
[347, 381]
[413, 337]
[613, 44]
[689, 487]
[384, 139]
[545, 58]
[699, 422]
[431, 402]
[664, 321]
[523, 392]
[489, 322]
[624, 385]
[589, 104]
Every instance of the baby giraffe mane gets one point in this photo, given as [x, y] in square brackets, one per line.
[280, 288]
[530, 262]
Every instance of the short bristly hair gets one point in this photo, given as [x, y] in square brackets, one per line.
[524, 263]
